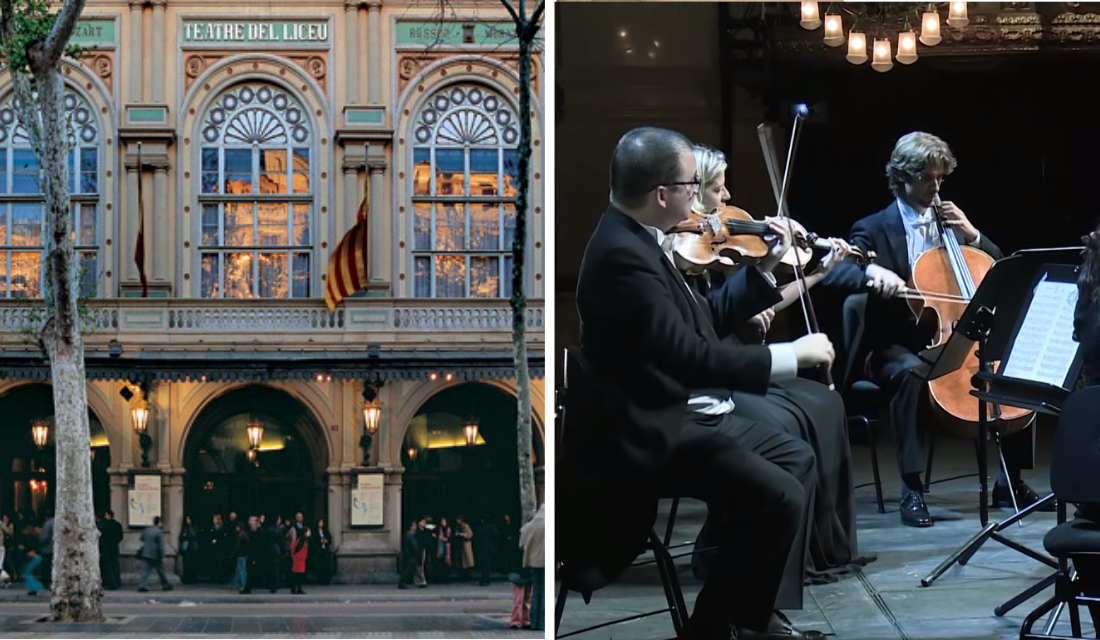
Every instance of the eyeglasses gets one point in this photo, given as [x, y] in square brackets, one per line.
[695, 182]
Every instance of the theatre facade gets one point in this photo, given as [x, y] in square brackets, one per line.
[250, 136]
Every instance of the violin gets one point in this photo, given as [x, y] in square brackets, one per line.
[806, 245]
[945, 280]
[722, 240]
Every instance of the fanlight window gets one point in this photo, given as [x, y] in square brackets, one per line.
[256, 195]
[22, 205]
[465, 166]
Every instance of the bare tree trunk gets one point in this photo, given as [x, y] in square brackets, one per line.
[77, 588]
[526, 31]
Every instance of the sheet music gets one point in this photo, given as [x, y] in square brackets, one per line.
[1044, 349]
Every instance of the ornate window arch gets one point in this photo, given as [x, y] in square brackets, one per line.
[464, 169]
[22, 216]
[256, 194]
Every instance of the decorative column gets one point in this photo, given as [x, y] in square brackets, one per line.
[137, 7]
[381, 232]
[157, 236]
[351, 198]
[351, 49]
[374, 57]
[159, 72]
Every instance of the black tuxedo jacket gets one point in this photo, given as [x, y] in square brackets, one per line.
[891, 321]
[649, 346]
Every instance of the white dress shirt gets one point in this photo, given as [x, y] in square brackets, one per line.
[921, 233]
[784, 360]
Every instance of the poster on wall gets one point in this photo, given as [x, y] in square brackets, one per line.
[366, 500]
[144, 501]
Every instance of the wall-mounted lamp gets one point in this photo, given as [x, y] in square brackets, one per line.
[372, 419]
[40, 432]
[471, 431]
[139, 417]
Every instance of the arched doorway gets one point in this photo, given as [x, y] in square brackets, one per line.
[27, 472]
[446, 477]
[284, 475]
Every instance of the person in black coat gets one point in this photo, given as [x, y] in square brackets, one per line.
[653, 414]
[110, 537]
[411, 553]
[886, 344]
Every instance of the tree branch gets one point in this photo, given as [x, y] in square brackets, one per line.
[512, 11]
[533, 24]
[51, 49]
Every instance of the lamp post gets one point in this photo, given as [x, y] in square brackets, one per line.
[40, 432]
[372, 417]
[255, 432]
[139, 415]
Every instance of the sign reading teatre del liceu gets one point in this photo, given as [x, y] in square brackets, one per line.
[256, 31]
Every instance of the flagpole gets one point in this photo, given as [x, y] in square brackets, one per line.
[139, 250]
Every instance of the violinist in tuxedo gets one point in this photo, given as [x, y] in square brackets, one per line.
[804, 408]
[661, 419]
[887, 343]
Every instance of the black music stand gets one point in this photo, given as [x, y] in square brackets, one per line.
[1001, 296]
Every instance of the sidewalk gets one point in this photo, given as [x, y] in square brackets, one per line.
[337, 593]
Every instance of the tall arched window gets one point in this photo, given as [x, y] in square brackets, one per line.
[256, 195]
[464, 174]
[22, 205]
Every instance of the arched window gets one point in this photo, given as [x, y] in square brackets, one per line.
[256, 195]
[465, 165]
[22, 205]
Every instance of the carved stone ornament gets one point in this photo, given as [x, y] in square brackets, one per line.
[195, 66]
[316, 67]
[103, 66]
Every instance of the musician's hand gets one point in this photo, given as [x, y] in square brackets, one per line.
[782, 231]
[884, 282]
[812, 350]
[840, 251]
[954, 217]
[763, 319]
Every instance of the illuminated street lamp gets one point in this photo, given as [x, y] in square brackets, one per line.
[40, 432]
[139, 415]
[255, 434]
[471, 430]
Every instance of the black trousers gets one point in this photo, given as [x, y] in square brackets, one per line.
[889, 368]
[109, 570]
[762, 478]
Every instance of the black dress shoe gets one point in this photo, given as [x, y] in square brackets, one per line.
[913, 511]
[1025, 497]
[779, 628]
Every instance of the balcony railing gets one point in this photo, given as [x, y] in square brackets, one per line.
[308, 323]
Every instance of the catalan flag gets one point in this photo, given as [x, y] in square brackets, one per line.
[347, 268]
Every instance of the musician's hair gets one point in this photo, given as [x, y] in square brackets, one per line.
[645, 158]
[1085, 316]
[914, 154]
[709, 164]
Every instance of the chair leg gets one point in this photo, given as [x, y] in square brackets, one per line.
[931, 456]
[671, 583]
[671, 521]
[874, 463]
[559, 607]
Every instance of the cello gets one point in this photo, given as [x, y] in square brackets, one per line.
[946, 278]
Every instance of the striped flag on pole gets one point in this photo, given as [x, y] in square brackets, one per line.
[347, 268]
[139, 249]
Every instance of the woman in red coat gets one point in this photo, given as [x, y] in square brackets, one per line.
[299, 551]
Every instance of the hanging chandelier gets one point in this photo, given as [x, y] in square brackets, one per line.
[881, 19]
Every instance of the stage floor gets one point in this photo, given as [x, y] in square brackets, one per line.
[886, 601]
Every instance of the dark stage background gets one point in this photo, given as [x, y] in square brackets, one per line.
[1025, 129]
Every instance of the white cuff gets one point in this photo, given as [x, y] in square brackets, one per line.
[769, 276]
[784, 361]
[977, 240]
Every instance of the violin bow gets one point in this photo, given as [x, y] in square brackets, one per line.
[771, 159]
